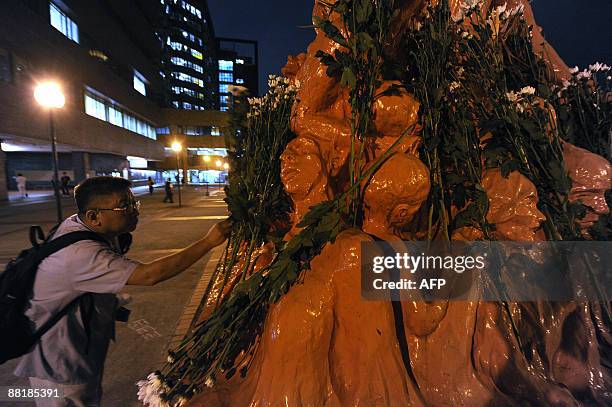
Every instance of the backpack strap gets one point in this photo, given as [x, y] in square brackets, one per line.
[63, 241]
[54, 246]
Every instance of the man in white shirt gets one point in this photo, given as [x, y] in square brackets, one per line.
[71, 354]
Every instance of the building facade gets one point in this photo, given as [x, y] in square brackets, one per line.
[136, 76]
[189, 55]
[106, 65]
[238, 66]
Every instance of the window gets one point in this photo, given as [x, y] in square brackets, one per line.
[163, 130]
[215, 131]
[226, 65]
[223, 88]
[226, 77]
[103, 108]
[240, 61]
[63, 23]
[95, 108]
[139, 84]
[196, 54]
[239, 80]
[115, 116]
[186, 106]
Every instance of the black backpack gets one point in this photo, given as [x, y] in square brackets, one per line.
[17, 334]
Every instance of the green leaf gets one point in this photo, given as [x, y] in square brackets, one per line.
[348, 78]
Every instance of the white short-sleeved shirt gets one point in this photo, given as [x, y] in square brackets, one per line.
[64, 355]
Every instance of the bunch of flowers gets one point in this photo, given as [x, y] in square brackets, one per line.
[584, 108]
[257, 202]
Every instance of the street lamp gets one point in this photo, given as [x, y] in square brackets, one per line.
[219, 166]
[226, 167]
[177, 147]
[49, 95]
[206, 160]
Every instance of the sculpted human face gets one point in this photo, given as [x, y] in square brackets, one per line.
[395, 193]
[512, 205]
[591, 177]
[301, 170]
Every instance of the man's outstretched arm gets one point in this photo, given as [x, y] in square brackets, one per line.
[169, 266]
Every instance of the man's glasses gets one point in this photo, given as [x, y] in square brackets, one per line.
[128, 207]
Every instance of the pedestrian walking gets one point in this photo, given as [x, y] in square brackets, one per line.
[70, 356]
[65, 183]
[21, 185]
[168, 189]
[151, 184]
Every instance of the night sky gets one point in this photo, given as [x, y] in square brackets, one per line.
[580, 30]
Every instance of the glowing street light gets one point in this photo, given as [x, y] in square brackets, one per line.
[219, 163]
[177, 148]
[206, 160]
[50, 96]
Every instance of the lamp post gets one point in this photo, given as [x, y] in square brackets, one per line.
[226, 168]
[219, 166]
[206, 160]
[49, 95]
[177, 147]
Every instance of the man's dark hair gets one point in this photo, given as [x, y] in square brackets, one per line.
[95, 187]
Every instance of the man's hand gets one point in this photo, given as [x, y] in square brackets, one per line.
[219, 232]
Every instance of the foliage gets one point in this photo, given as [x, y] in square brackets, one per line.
[361, 34]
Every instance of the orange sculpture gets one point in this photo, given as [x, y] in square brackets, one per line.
[323, 345]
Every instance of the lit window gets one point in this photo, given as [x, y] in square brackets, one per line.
[223, 109]
[223, 88]
[139, 84]
[226, 65]
[104, 109]
[163, 130]
[196, 54]
[226, 77]
[63, 23]
[239, 80]
[215, 131]
[95, 108]
[240, 61]
[115, 116]
[186, 105]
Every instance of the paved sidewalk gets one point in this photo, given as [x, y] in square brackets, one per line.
[141, 343]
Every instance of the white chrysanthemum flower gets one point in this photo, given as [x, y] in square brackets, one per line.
[501, 9]
[454, 85]
[518, 10]
[465, 34]
[512, 97]
[297, 83]
[586, 74]
[527, 90]
[170, 359]
[598, 66]
[149, 391]
[574, 70]
[209, 382]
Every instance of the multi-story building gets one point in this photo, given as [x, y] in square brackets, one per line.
[136, 77]
[189, 60]
[104, 55]
[238, 64]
